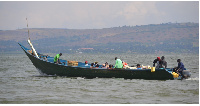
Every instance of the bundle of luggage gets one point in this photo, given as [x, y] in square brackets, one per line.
[30, 51]
[72, 63]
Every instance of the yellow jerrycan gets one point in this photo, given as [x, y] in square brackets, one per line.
[152, 69]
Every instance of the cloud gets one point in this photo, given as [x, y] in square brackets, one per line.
[94, 14]
[138, 12]
[183, 11]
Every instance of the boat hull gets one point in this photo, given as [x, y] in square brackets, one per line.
[50, 68]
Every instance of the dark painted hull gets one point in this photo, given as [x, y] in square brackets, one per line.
[50, 68]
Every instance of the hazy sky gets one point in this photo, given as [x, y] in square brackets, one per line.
[94, 14]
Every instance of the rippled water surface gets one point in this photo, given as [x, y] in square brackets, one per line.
[20, 82]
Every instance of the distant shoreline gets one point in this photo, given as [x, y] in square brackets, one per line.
[162, 38]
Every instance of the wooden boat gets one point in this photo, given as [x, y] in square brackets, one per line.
[46, 66]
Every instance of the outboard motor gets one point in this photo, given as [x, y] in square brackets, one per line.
[186, 73]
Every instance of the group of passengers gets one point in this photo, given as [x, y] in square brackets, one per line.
[96, 65]
[118, 64]
[161, 63]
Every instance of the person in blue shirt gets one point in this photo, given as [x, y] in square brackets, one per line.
[180, 67]
[138, 66]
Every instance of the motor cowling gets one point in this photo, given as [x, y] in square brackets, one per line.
[186, 73]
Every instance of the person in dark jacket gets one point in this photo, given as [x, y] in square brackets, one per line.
[180, 67]
[163, 62]
[158, 61]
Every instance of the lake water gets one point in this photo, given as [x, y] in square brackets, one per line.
[20, 83]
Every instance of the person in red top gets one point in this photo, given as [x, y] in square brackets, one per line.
[86, 63]
[158, 61]
[124, 64]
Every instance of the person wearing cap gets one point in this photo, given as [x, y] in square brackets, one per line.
[158, 61]
[86, 63]
[56, 58]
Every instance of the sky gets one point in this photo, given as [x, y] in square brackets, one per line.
[94, 14]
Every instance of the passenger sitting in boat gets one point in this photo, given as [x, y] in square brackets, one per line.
[56, 59]
[92, 65]
[138, 66]
[180, 68]
[110, 66]
[104, 66]
[86, 63]
[118, 63]
[158, 61]
[163, 62]
[45, 58]
[96, 64]
[124, 64]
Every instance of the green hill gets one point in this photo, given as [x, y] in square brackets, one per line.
[163, 38]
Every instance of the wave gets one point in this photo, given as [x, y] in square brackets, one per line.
[44, 76]
[193, 79]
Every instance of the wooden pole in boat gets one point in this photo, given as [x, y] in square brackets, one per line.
[29, 42]
[27, 28]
